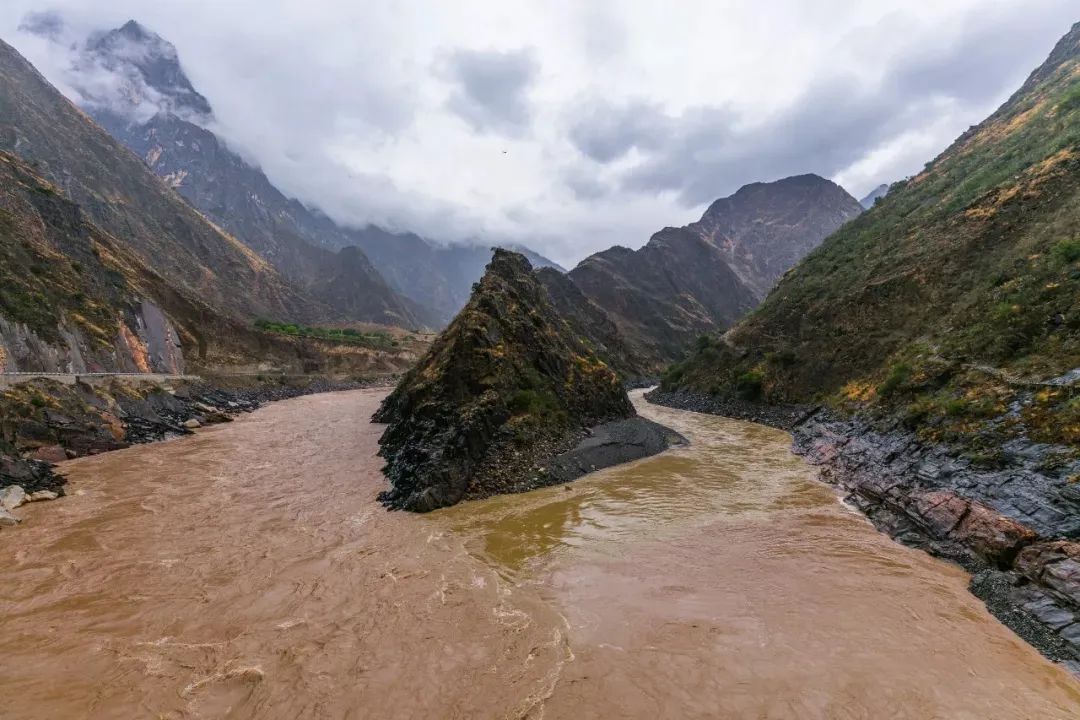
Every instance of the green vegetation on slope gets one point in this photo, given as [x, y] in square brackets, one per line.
[376, 339]
[964, 280]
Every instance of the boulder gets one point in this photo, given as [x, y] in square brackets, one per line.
[192, 424]
[12, 497]
[50, 454]
[507, 387]
[42, 495]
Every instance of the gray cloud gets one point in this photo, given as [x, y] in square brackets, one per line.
[606, 132]
[615, 121]
[492, 88]
[709, 151]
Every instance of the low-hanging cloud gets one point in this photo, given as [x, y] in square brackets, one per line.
[707, 151]
[491, 88]
[565, 125]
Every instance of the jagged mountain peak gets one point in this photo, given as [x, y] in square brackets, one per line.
[149, 69]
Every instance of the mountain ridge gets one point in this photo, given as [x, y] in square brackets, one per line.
[699, 279]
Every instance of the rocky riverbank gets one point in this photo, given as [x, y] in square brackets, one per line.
[1012, 526]
[43, 422]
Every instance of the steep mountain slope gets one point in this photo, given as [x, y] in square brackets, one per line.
[700, 279]
[501, 399]
[667, 293]
[75, 299]
[126, 200]
[234, 194]
[71, 297]
[592, 325]
[973, 262]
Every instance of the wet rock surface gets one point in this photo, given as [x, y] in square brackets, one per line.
[1014, 527]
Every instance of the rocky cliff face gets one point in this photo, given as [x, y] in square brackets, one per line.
[765, 228]
[700, 279]
[71, 298]
[500, 398]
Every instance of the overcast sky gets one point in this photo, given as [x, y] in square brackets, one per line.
[573, 125]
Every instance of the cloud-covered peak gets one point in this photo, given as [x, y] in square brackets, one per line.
[145, 61]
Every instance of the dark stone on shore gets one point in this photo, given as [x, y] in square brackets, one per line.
[610, 444]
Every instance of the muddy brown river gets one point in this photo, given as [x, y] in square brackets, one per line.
[247, 572]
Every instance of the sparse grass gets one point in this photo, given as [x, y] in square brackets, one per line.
[375, 340]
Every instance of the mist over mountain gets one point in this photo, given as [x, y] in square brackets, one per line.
[132, 82]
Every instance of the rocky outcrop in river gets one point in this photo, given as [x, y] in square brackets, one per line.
[507, 399]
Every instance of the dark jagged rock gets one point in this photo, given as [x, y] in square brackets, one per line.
[503, 400]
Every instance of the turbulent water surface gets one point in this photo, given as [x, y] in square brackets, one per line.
[247, 572]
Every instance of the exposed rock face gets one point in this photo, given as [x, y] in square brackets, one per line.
[73, 300]
[700, 279]
[765, 228]
[503, 392]
[1010, 526]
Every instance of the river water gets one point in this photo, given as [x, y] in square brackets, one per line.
[247, 572]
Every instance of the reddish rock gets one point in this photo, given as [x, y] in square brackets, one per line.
[992, 535]
[940, 511]
[988, 533]
[50, 454]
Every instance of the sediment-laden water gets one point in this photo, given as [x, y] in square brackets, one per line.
[247, 572]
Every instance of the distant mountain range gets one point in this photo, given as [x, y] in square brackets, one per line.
[399, 279]
[252, 253]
